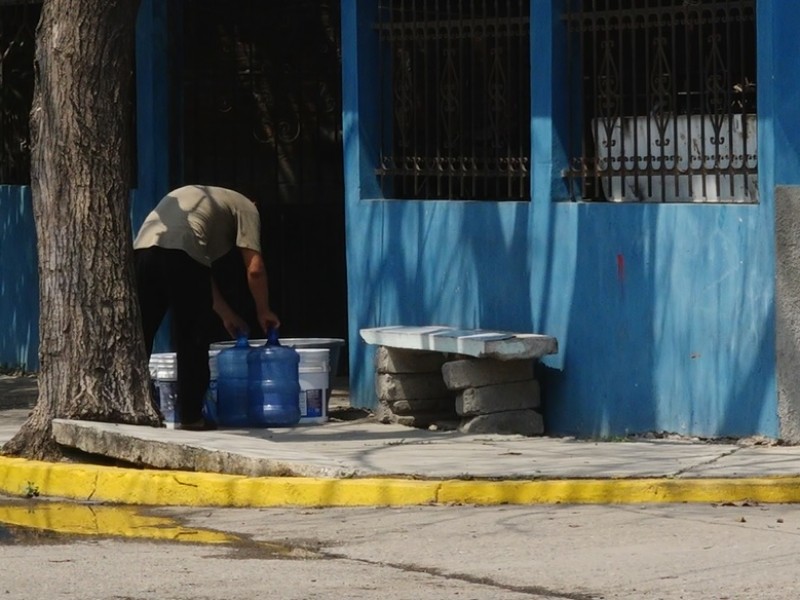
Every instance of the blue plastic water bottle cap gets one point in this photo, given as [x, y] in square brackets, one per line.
[241, 341]
[272, 337]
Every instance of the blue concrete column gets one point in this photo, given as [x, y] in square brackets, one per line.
[153, 103]
[152, 108]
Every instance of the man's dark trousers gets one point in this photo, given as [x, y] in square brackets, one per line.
[171, 280]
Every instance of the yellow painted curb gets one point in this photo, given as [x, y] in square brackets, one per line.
[19, 477]
[181, 488]
[623, 491]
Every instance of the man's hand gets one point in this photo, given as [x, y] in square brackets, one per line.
[268, 319]
[234, 324]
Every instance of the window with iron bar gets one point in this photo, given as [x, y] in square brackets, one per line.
[455, 99]
[664, 100]
[17, 39]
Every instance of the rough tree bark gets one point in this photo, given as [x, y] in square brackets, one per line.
[92, 357]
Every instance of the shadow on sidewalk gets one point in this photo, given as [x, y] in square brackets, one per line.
[18, 391]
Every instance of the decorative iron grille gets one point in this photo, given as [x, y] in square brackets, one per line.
[665, 90]
[17, 39]
[259, 109]
[260, 98]
[455, 99]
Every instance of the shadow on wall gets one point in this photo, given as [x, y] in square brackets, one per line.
[606, 387]
[669, 325]
[19, 281]
[461, 264]
[499, 243]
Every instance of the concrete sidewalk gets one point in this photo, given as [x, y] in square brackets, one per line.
[362, 462]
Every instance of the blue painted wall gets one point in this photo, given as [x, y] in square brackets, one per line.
[19, 280]
[664, 313]
[780, 82]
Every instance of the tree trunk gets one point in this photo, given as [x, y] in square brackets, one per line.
[91, 350]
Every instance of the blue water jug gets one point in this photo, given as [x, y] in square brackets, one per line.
[232, 384]
[274, 384]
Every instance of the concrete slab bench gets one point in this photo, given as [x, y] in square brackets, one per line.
[476, 380]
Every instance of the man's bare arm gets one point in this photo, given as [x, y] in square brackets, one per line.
[259, 288]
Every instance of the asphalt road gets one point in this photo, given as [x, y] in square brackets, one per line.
[551, 552]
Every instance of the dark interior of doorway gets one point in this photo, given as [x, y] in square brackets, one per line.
[258, 109]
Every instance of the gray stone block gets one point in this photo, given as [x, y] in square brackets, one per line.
[473, 373]
[496, 398]
[419, 386]
[410, 407]
[520, 422]
[384, 414]
[397, 360]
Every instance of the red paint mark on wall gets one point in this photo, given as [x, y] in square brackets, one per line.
[620, 267]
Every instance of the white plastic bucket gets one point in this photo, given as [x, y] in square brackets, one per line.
[314, 383]
[210, 403]
[164, 375]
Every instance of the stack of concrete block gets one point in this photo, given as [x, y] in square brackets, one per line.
[411, 390]
[495, 396]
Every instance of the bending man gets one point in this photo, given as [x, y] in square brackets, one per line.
[186, 232]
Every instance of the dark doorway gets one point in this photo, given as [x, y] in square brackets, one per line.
[258, 109]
